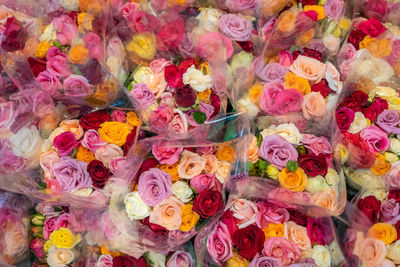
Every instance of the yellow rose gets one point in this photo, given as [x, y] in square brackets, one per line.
[144, 45]
[366, 41]
[204, 96]
[273, 230]
[41, 49]
[172, 170]
[384, 232]
[132, 119]
[225, 152]
[380, 166]
[47, 245]
[189, 218]
[83, 154]
[294, 82]
[344, 23]
[319, 9]
[64, 238]
[294, 181]
[255, 92]
[236, 261]
[394, 103]
[114, 132]
[78, 54]
[380, 48]
[85, 20]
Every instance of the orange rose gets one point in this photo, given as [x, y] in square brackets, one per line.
[380, 166]
[84, 154]
[225, 152]
[287, 21]
[380, 48]
[314, 105]
[204, 96]
[255, 92]
[294, 181]
[305, 37]
[168, 213]
[272, 7]
[90, 5]
[319, 9]
[172, 170]
[273, 230]
[384, 232]
[298, 83]
[252, 151]
[78, 54]
[49, 122]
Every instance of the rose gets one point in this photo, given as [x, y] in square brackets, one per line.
[391, 179]
[98, 173]
[241, 5]
[269, 94]
[313, 165]
[317, 145]
[281, 249]
[334, 9]
[65, 143]
[77, 86]
[356, 101]
[37, 247]
[7, 118]
[48, 159]
[371, 27]
[317, 232]
[371, 207]
[298, 235]
[73, 127]
[135, 207]
[107, 153]
[125, 261]
[167, 213]
[277, 151]
[94, 44]
[376, 139]
[94, 120]
[14, 35]
[27, 143]
[179, 122]
[207, 203]
[308, 68]
[166, 154]
[118, 115]
[182, 191]
[170, 35]
[71, 174]
[59, 256]
[376, 108]
[219, 244]
[344, 118]
[67, 29]
[321, 255]
[214, 47]
[297, 217]
[190, 165]
[314, 105]
[287, 101]
[388, 121]
[394, 194]
[197, 79]
[293, 180]
[393, 252]
[180, 259]
[235, 27]
[49, 82]
[173, 76]
[262, 261]
[58, 64]
[245, 211]
[202, 182]
[114, 132]
[185, 96]
[49, 227]
[161, 117]
[316, 184]
[368, 68]
[327, 199]
[249, 241]
[105, 260]
[43, 104]
[322, 87]
[271, 72]
[92, 140]
[383, 231]
[142, 94]
[269, 213]
[390, 211]
[370, 251]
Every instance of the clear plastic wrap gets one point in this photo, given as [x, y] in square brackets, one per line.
[256, 229]
[383, 10]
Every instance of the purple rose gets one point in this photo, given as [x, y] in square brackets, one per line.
[263, 261]
[388, 121]
[142, 94]
[277, 151]
[376, 139]
[154, 186]
[71, 174]
[187, 46]
[180, 259]
[241, 5]
[65, 143]
[271, 72]
[77, 86]
[235, 27]
[58, 64]
[390, 211]
[306, 262]
[334, 9]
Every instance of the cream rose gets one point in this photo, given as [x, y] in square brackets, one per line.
[73, 127]
[223, 170]
[377, 69]
[208, 19]
[321, 255]
[135, 207]
[242, 59]
[83, 192]
[49, 34]
[359, 123]
[190, 165]
[395, 145]
[157, 259]
[383, 92]
[108, 152]
[308, 68]
[297, 234]
[316, 184]
[331, 43]
[288, 131]
[327, 199]
[332, 177]
[336, 253]
[380, 194]
[70, 5]
[245, 105]
[252, 151]
[211, 163]
[394, 252]
[391, 157]
[27, 143]
[141, 74]
[197, 80]
[182, 191]
[364, 178]
[168, 213]
[58, 257]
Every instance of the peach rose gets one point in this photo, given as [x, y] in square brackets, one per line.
[223, 171]
[370, 251]
[190, 165]
[48, 159]
[156, 83]
[108, 152]
[168, 213]
[297, 234]
[308, 68]
[211, 163]
[252, 151]
[314, 105]
[245, 211]
[327, 199]
[73, 127]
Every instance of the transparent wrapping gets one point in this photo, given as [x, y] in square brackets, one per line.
[383, 10]
[254, 227]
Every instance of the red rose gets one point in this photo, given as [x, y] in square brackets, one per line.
[308, 2]
[37, 65]
[356, 101]
[249, 241]
[397, 226]
[360, 156]
[14, 35]
[73, 15]
[207, 203]
[129, 141]
[313, 165]
[355, 37]
[98, 173]
[371, 27]
[154, 227]
[173, 76]
[128, 261]
[246, 46]
[322, 87]
[230, 221]
[375, 8]
[65, 143]
[317, 232]
[216, 103]
[376, 108]
[94, 120]
[187, 63]
[394, 194]
[185, 96]
[371, 207]
[298, 217]
[344, 118]
[146, 165]
[170, 35]
[312, 53]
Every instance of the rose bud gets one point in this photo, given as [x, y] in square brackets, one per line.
[37, 231]
[38, 220]
[185, 96]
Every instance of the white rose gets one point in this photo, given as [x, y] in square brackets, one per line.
[321, 256]
[182, 191]
[379, 194]
[394, 252]
[70, 5]
[377, 69]
[59, 257]
[83, 192]
[245, 105]
[242, 59]
[157, 259]
[332, 177]
[363, 178]
[316, 184]
[395, 145]
[208, 19]
[336, 252]
[141, 74]
[49, 34]
[331, 43]
[135, 207]
[197, 80]
[289, 132]
[359, 123]
[27, 143]
[115, 66]
[223, 171]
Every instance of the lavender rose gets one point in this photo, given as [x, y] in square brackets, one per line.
[154, 186]
[264, 261]
[77, 86]
[241, 5]
[71, 174]
[235, 27]
[187, 46]
[142, 94]
[271, 72]
[390, 211]
[276, 150]
[388, 121]
[306, 262]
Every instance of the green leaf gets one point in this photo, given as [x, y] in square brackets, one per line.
[199, 117]
[292, 165]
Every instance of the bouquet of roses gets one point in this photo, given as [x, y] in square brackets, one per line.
[383, 10]
[256, 231]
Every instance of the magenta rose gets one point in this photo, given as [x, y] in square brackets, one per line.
[269, 213]
[58, 64]
[142, 94]
[241, 5]
[287, 101]
[92, 140]
[219, 244]
[50, 83]
[49, 227]
[277, 151]
[37, 247]
[180, 259]
[269, 94]
[235, 27]
[65, 143]
[271, 72]
[62, 221]
[166, 154]
[388, 121]
[263, 261]
[202, 182]
[71, 174]
[77, 86]
[376, 139]
[317, 145]
[67, 29]
[281, 249]
[154, 186]
[118, 115]
[390, 211]
[317, 231]
[94, 44]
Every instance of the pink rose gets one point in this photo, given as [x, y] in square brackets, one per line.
[287, 101]
[7, 117]
[281, 249]
[166, 154]
[206, 150]
[77, 86]
[119, 164]
[92, 140]
[202, 182]
[241, 5]
[58, 64]
[214, 47]
[269, 94]
[285, 58]
[128, 9]
[66, 28]
[219, 244]
[48, 159]
[52, 52]
[43, 104]
[268, 213]
[107, 153]
[245, 211]
[161, 117]
[49, 227]
[180, 259]
[392, 179]
[236, 27]
[390, 212]
[37, 247]
[376, 139]
[50, 83]
[179, 123]
[170, 35]
[65, 143]
[105, 260]
[317, 145]
[62, 221]
[94, 44]
[142, 94]
[118, 115]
